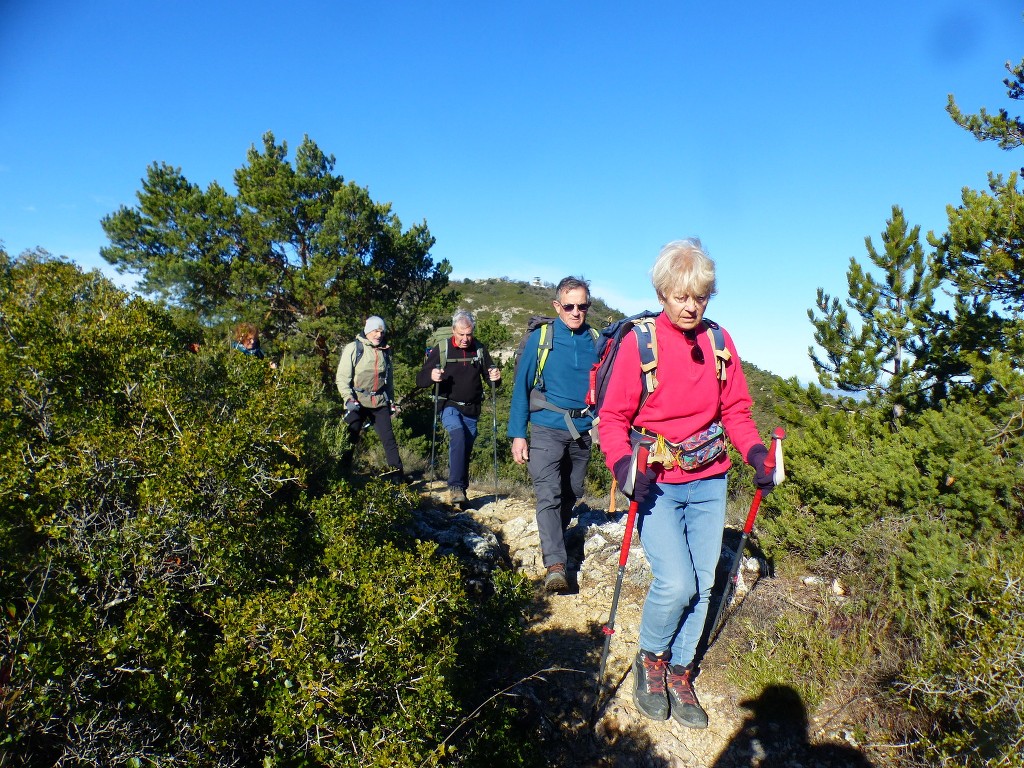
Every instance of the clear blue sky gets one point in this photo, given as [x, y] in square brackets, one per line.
[535, 138]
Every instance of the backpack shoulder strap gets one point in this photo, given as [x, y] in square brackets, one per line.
[647, 346]
[544, 344]
[477, 360]
[722, 353]
[357, 354]
[442, 354]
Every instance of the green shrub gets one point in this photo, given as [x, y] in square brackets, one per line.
[182, 582]
[849, 470]
[968, 679]
[816, 653]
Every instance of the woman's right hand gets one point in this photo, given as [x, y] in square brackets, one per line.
[641, 482]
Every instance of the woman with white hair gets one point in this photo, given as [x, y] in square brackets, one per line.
[700, 398]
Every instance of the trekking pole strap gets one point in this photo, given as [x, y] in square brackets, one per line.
[630, 483]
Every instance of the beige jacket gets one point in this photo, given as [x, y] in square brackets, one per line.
[369, 378]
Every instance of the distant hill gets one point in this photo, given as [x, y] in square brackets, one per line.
[515, 301]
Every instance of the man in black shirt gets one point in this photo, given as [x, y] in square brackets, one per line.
[459, 369]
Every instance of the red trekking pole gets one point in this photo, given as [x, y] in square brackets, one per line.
[730, 586]
[638, 465]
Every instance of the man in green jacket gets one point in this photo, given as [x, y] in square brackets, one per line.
[366, 384]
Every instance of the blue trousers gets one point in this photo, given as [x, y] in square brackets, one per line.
[681, 529]
[461, 431]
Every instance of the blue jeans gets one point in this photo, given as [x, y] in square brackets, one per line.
[680, 527]
[461, 431]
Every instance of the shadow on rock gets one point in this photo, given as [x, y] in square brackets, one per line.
[775, 735]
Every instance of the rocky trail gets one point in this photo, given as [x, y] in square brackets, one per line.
[565, 640]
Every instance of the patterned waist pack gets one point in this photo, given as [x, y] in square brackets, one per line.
[692, 453]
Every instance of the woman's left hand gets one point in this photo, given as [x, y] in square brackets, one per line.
[765, 479]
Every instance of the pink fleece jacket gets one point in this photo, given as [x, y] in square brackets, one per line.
[688, 398]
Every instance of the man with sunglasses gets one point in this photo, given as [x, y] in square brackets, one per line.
[549, 395]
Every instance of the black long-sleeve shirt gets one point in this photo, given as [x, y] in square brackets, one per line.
[465, 374]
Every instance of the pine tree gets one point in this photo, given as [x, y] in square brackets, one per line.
[885, 353]
[299, 251]
[1007, 131]
[982, 255]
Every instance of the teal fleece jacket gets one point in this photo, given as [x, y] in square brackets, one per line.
[566, 378]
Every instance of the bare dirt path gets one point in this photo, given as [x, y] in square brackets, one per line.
[565, 641]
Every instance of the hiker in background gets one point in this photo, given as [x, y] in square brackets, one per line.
[700, 399]
[366, 385]
[247, 341]
[552, 398]
[459, 370]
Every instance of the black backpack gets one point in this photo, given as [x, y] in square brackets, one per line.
[642, 326]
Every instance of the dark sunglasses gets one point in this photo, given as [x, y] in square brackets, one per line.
[696, 353]
[571, 307]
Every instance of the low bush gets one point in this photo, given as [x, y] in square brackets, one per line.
[183, 582]
[817, 653]
[968, 678]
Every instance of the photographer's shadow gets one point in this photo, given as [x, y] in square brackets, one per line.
[775, 735]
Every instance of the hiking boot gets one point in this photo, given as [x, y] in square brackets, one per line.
[649, 695]
[685, 707]
[555, 581]
[457, 497]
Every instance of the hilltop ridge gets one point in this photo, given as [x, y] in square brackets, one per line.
[516, 300]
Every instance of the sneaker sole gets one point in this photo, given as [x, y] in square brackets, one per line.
[696, 726]
[657, 716]
[649, 715]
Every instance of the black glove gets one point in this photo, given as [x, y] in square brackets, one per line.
[641, 483]
[352, 414]
[764, 478]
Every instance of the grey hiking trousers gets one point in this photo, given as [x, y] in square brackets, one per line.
[558, 467]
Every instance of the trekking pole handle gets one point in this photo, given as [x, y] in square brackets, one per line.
[778, 434]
